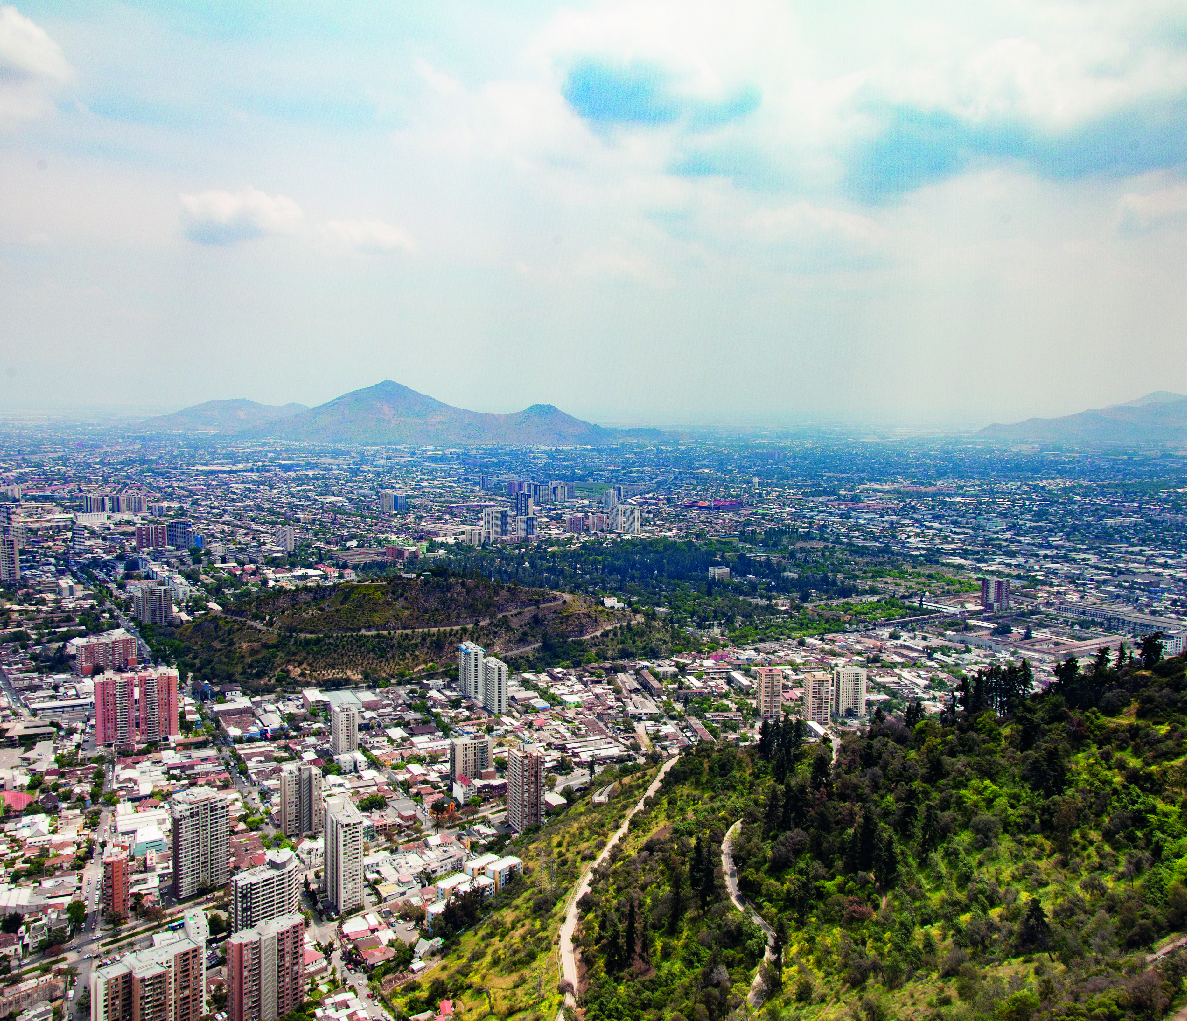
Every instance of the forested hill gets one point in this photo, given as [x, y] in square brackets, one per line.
[1015, 858]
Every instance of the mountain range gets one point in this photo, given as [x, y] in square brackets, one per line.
[1158, 418]
[222, 417]
[390, 414]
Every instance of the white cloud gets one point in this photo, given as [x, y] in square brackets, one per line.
[32, 68]
[368, 235]
[226, 218]
[1140, 212]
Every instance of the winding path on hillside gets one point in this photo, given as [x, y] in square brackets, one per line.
[755, 996]
[568, 958]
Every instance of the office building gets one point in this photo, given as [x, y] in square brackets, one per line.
[470, 677]
[112, 650]
[180, 533]
[117, 890]
[769, 689]
[469, 756]
[849, 691]
[152, 603]
[157, 704]
[302, 809]
[10, 557]
[818, 697]
[626, 518]
[344, 729]
[494, 685]
[201, 841]
[151, 536]
[393, 501]
[115, 710]
[161, 983]
[496, 523]
[268, 891]
[266, 969]
[525, 788]
[343, 874]
[286, 538]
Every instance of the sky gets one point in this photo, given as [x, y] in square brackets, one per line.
[937, 214]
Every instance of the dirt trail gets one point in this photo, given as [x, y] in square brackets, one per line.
[568, 958]
[755, 996]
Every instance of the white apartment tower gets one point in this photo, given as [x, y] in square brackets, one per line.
[626, 518]
[301, 808]
[201, 841]
[344, 729]
[525, 788]
[469, 756]
[496, 523]
[269, 891]
[343, 855]
[849, 691]
[494, 685]
[470, 678]
[10, 557]
[769, 688]
[818, 698]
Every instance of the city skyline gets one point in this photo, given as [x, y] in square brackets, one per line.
[768, 215]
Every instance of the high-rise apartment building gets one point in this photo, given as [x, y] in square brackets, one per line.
[115, 709]
[151, 536]
[995, 594]
[626, 518]
[266, 969]
[201, 841]
[769, 689]
[152, 603]
[525, 788]
[818, 697]
[344, 729]
[494, 685]
[112, 650]
[302, 809]
[521, 504]
[269, 891]
[286, 538]
[469, 756]
[141, 706]
[343, 872]
[180, 533]
[470, 678]
[849, 691]
[10, 557]
[496, 523]
[157, 709]
[525, 526]
[162, 983]
[117, 890]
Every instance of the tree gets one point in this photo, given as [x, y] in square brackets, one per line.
[12, 923]
[1151, 650]
[1034, 931]
[631, 939]
[76, 911]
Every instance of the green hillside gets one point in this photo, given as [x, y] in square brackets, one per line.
[1017, 858]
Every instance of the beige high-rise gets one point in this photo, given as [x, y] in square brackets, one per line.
[769, 689]
[344, 729]
[343, 874]
[300, 804]
[201, 841]
[525, 788]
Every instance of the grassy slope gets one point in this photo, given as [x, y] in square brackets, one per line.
[506, 966]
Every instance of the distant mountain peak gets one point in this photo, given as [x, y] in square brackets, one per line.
[1157, 397]
[226, 417]
[1158, 419]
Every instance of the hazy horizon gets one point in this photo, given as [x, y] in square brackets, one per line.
[924, 215]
